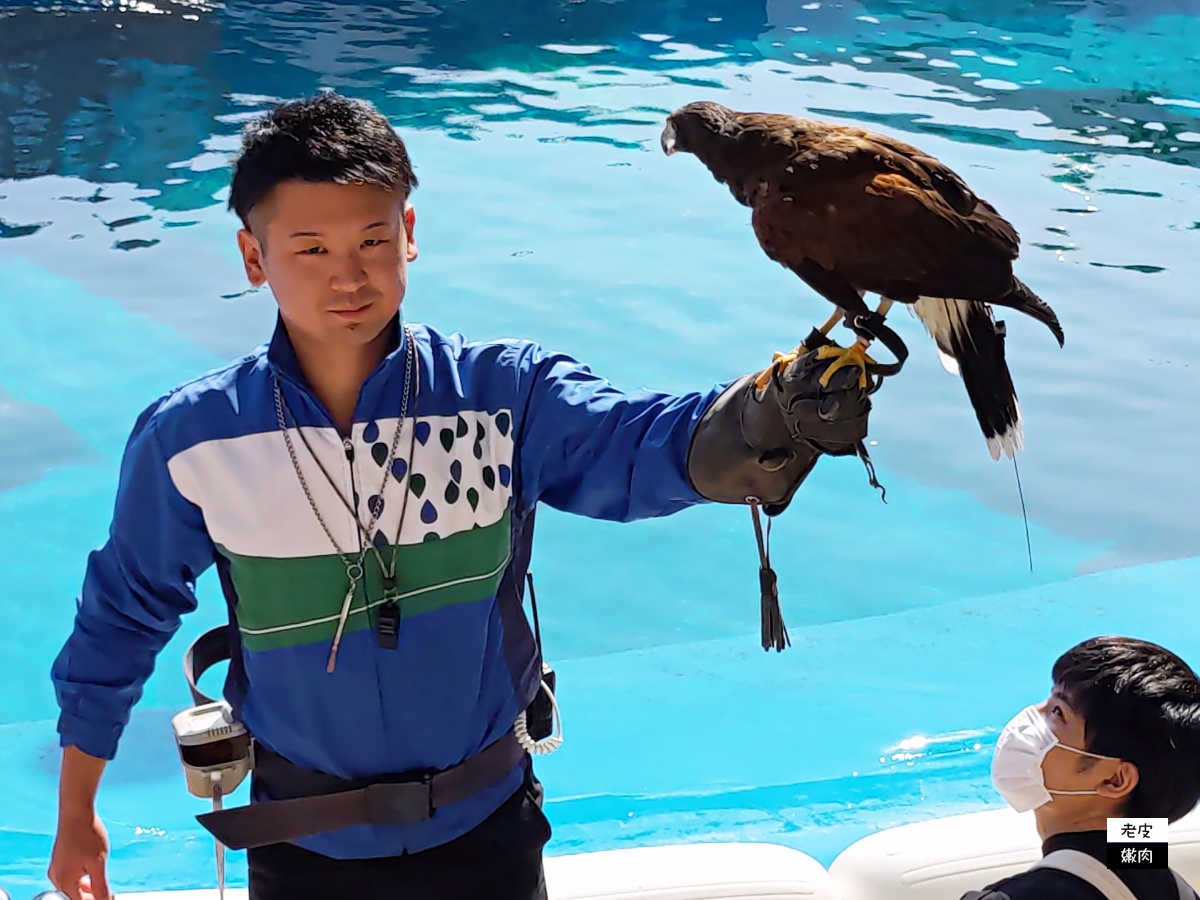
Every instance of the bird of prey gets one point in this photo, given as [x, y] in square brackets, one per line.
[851, 211]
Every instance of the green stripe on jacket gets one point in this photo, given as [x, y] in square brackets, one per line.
[291, 602]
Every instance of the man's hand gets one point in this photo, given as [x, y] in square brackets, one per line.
[80, 851]
[79, 857]
[758, 447]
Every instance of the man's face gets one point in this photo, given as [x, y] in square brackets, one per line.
[1067, 771]
[335, 256]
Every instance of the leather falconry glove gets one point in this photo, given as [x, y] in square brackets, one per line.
[757, 447]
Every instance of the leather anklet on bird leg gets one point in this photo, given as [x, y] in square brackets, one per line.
[781, 361]
[869, 327]
[856, 354]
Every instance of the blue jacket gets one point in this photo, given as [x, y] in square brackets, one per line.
[207, 479]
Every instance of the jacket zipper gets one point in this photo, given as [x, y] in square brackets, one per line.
[348, 447]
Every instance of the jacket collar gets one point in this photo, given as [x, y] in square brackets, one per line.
[281, 354]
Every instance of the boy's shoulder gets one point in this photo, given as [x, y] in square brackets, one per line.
[1036, 884]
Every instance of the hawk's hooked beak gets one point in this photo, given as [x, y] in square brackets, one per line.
[668, 138]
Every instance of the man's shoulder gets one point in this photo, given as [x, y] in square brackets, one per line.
[457, 346]
[209, 405]
[502, 367]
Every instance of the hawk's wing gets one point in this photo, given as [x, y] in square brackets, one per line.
[886, 217]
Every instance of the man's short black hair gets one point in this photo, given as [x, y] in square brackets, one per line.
[1140, 703]
[326, 138]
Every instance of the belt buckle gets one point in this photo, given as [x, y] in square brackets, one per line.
[400, 802]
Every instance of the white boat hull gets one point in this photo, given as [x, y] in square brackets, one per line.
[935, 860]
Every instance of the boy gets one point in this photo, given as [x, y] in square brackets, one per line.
[1119, 737]
[366, 490]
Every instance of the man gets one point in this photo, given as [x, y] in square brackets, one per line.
[1118, 737]
[366, 490]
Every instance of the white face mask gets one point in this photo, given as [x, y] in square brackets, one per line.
[1017, 766]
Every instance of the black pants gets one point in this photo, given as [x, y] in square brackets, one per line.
[501, 859]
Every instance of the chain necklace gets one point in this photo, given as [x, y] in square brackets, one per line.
[355, 571]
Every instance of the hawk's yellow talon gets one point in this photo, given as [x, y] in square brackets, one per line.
[854, 355]
[779, 361]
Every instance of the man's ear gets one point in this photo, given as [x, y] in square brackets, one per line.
[410, 224]
[252, 257]
[1121, 783]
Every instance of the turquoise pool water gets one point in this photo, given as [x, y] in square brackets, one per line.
[546, 210]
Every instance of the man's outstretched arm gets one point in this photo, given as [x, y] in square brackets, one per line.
[588, 448]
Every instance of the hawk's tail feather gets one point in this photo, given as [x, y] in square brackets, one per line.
[965, 331]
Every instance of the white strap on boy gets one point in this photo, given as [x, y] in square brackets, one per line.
[1090, 869]
[1100, 876]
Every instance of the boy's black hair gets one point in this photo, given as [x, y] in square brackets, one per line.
[1140, 703]
[326, 138]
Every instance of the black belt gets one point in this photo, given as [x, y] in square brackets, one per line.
[308, 802]
[312, 802]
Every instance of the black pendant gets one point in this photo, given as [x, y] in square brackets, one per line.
[388, 628]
